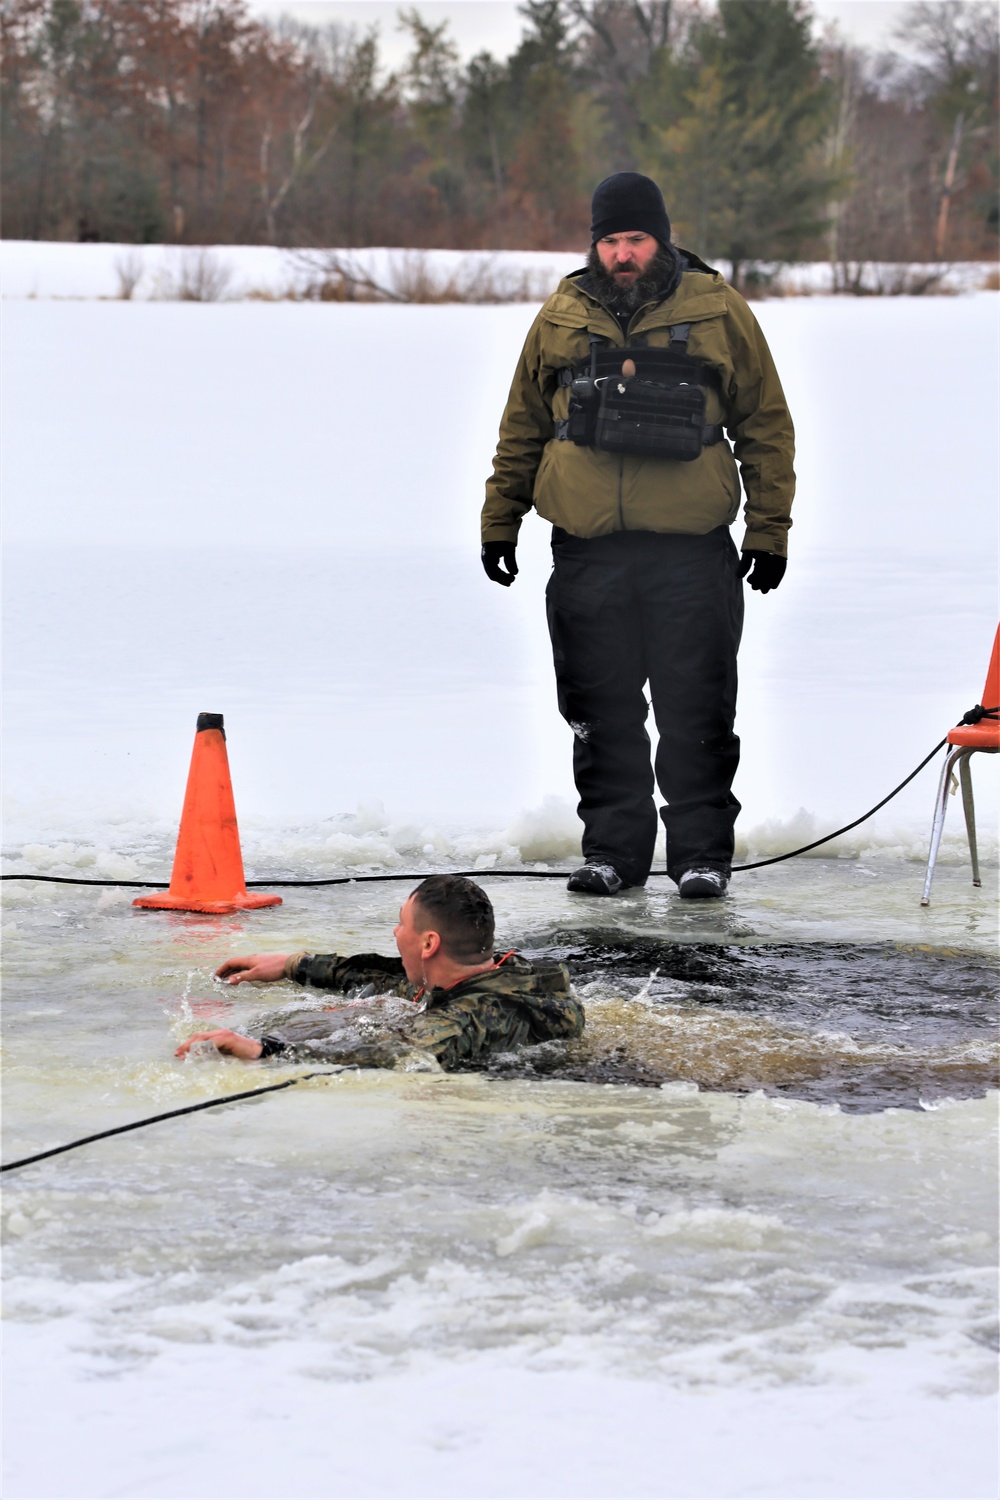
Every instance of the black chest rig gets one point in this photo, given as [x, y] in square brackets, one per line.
[654, 408]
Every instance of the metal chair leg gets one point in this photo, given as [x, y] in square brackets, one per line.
[965, 776]
[937, 828]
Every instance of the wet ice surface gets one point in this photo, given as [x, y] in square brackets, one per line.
[768, 1220]
[704, 993]
[395, 1175]
[862, 1027]
[799, 1220]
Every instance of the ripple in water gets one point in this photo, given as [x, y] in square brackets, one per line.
[865, 1027]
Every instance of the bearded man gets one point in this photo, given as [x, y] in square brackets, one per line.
[644, 381]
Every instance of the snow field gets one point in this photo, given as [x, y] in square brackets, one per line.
[61, 269]
[271, 511]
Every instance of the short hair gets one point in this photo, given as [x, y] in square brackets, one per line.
[461, 912]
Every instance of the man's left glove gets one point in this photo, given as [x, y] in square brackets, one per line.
[495, 553]
[768, 569]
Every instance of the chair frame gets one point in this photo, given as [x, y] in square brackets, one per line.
[958, 757]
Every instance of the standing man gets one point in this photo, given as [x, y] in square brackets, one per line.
[632, 377]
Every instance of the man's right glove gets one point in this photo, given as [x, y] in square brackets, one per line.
[768, 569]
[495, 553]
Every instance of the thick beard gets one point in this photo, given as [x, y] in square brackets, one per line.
[656, 282]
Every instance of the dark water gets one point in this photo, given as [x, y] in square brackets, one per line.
[867, 1027]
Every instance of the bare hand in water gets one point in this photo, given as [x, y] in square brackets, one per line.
[229, 1042]
[267, 966]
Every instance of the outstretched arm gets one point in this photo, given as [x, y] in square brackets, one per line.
[322, 971]
[262, 966]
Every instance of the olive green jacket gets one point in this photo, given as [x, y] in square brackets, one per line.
[517, 1003]
[588, 492]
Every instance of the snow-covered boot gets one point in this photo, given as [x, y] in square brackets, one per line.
[596, 880]
[703, 883]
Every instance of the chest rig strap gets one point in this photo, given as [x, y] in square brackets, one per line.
[657, 412]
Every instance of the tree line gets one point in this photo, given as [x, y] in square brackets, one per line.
[189, 121]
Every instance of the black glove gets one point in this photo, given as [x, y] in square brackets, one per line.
[768, 569]
[495, 553]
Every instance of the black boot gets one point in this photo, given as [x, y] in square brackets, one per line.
[596, 880]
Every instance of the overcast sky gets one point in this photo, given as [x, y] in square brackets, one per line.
[495, 26]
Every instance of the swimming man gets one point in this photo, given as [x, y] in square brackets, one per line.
[460, 1001]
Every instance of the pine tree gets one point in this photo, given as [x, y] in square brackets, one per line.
[742, 163]
[430, 81]
[542, 95]
[485, 121]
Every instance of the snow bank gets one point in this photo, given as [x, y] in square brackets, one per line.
[475, 1427]
[160, 272]
[45, 269]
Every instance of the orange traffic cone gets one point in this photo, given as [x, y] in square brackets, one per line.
[208, 866]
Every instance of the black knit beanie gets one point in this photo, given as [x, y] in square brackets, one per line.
[625, 201]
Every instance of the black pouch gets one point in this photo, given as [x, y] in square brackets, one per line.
[584, 398]
[658, 411]
[652, 420]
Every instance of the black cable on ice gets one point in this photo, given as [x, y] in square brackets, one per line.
[760, 863]
[972, 717]
[170, 1114]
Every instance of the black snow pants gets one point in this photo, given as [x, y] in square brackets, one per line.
[636, 607]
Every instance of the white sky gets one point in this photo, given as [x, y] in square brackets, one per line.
[495, 25]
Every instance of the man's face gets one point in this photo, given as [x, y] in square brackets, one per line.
[626, 256]
[411, 941]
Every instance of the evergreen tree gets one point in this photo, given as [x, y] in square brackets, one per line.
[367, 107]
[190, 120]
[545, 171]
[623, 54]
[486, 121]
[742, 165]
[430, 82]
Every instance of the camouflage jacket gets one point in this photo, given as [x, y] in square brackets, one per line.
[516, 1004]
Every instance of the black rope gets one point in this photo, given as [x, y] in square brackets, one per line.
[136, 885]
[973, 716]
[760, 863]
[163, 885]
[171, 1114]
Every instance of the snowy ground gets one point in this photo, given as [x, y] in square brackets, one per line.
[30, 269]
[229, 519]
[414, 1286]
[483, 1427]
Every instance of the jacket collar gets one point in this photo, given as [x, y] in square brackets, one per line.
[699, 295]
[484, 980]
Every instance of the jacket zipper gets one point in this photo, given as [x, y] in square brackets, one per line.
[621, 456]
